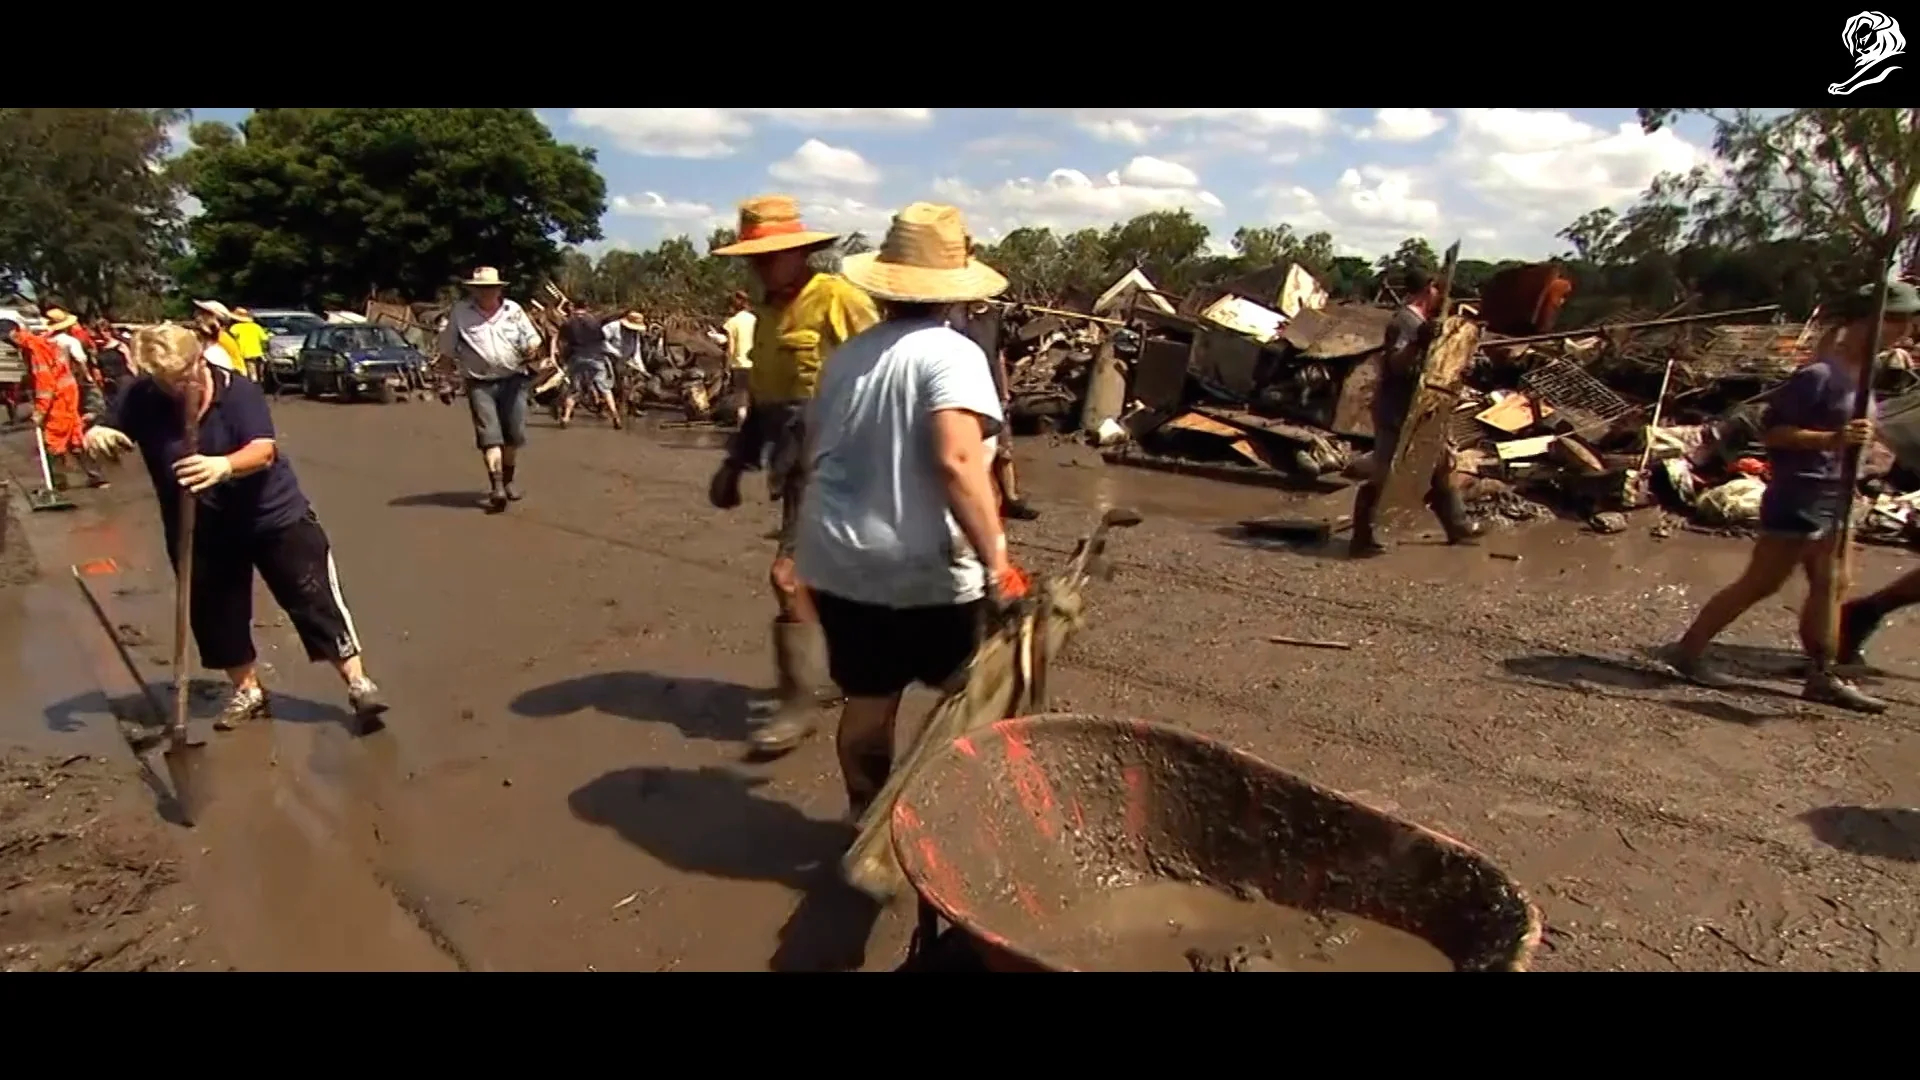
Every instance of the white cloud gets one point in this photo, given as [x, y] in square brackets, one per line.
[846, 215]
[683, 133]
[714, 133]
[1153, 172]
[1552, 160]
[1007, 144]
[1069, 198]
[816, 164]
[1369, 210]
[1403, 125]
[653, 205]
[848, 119]
[1138, 127]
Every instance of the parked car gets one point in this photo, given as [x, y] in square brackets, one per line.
[357, 360]
[287, 330]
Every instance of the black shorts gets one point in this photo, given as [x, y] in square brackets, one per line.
[877, 652]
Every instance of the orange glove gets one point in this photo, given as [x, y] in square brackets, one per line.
[1010, 585]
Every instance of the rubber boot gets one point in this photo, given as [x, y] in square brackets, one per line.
[1858, 621]
[1362, 544]
[1451, 508]
[800, 662]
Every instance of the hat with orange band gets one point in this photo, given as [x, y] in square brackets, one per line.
[772, 223]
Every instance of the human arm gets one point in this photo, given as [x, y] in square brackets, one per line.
[246, 409]
[960, 395]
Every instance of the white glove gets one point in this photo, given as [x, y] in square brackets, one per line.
[106, 442]
[198, 472]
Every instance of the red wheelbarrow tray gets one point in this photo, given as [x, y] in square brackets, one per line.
[1013, 824]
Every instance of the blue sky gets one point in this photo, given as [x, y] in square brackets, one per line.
[1501, 181]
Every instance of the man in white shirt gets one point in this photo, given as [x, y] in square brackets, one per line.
[899, 538]
[491, 342]
[739, 328]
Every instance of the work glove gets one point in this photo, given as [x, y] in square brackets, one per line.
[105, 442]
[1006, 589]
[198, 472]
[723, 491]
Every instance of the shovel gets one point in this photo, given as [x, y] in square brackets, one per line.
[186, 759]
[47, 498]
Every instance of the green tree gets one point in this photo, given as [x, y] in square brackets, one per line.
[325, 206]
[88, 217]
[1413, 252]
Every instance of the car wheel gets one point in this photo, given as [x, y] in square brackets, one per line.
[310, 387]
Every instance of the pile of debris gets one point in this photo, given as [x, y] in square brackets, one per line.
[1263, 381]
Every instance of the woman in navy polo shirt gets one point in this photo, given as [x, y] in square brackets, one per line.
[252, 516]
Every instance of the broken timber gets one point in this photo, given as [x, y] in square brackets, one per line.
[1423, 435]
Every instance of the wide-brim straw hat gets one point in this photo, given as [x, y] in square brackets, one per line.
[242, 314]
[772, 223]
[58, 320]
[215, 308]
[485, 277]
[925, 259]
[633, 320]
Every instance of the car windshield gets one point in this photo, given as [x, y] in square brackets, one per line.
[279, 325]
[358, 338]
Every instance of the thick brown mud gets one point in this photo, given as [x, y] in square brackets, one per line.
[1183, 926]
[562, 786]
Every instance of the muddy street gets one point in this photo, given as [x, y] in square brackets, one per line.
[561, 783]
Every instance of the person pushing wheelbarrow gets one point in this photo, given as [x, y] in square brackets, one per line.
[900, 540]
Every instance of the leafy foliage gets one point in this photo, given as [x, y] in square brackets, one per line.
[324, 207]
[88, 217]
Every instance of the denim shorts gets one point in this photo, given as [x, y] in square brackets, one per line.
[1801, 513]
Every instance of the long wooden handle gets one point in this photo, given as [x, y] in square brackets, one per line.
[183, 575]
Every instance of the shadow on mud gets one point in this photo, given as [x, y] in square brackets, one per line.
[143, 728]
[714, 821]
[1301, 543]
[1601, 676]
[446, 500]
[1881, 832]
[700, 708]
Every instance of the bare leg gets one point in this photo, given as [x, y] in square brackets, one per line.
[1773, 562]
[1828, 575]
[865, 747]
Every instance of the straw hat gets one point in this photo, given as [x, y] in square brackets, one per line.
[633, 320]
[772, 223]
[241, 314]
[214, 308]
[485, 277]
[924, 259]
[166, 351]
[58, 320]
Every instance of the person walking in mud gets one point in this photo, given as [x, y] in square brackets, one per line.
[901, 539]
[986, 326]
[490, 341]
[56, 404]
[1808, 428]
[589, 372]
[739, 331]
[1400, 359]
[625, 343]
[252, 516]
[804, 316]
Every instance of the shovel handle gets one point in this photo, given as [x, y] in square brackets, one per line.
[183, 576]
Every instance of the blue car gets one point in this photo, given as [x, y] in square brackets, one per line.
[360, 360]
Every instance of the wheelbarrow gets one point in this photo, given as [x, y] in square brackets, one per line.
[1075, 843]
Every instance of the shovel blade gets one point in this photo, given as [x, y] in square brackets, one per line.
[49, 500]
[187, 766]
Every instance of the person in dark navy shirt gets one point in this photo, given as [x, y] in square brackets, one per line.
[1809, 430]
[251, 516]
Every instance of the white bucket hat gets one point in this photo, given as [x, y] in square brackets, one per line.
[485, 276]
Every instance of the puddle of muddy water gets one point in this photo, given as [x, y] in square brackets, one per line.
[1182, 926]
[1075, 474]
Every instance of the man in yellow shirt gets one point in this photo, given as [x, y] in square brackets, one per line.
[803, 316]
[251, 337]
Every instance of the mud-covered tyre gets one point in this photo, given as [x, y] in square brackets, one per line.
[309, 388]
[384, 395]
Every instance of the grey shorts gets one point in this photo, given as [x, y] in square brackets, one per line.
[590, 376]
[499, 411]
